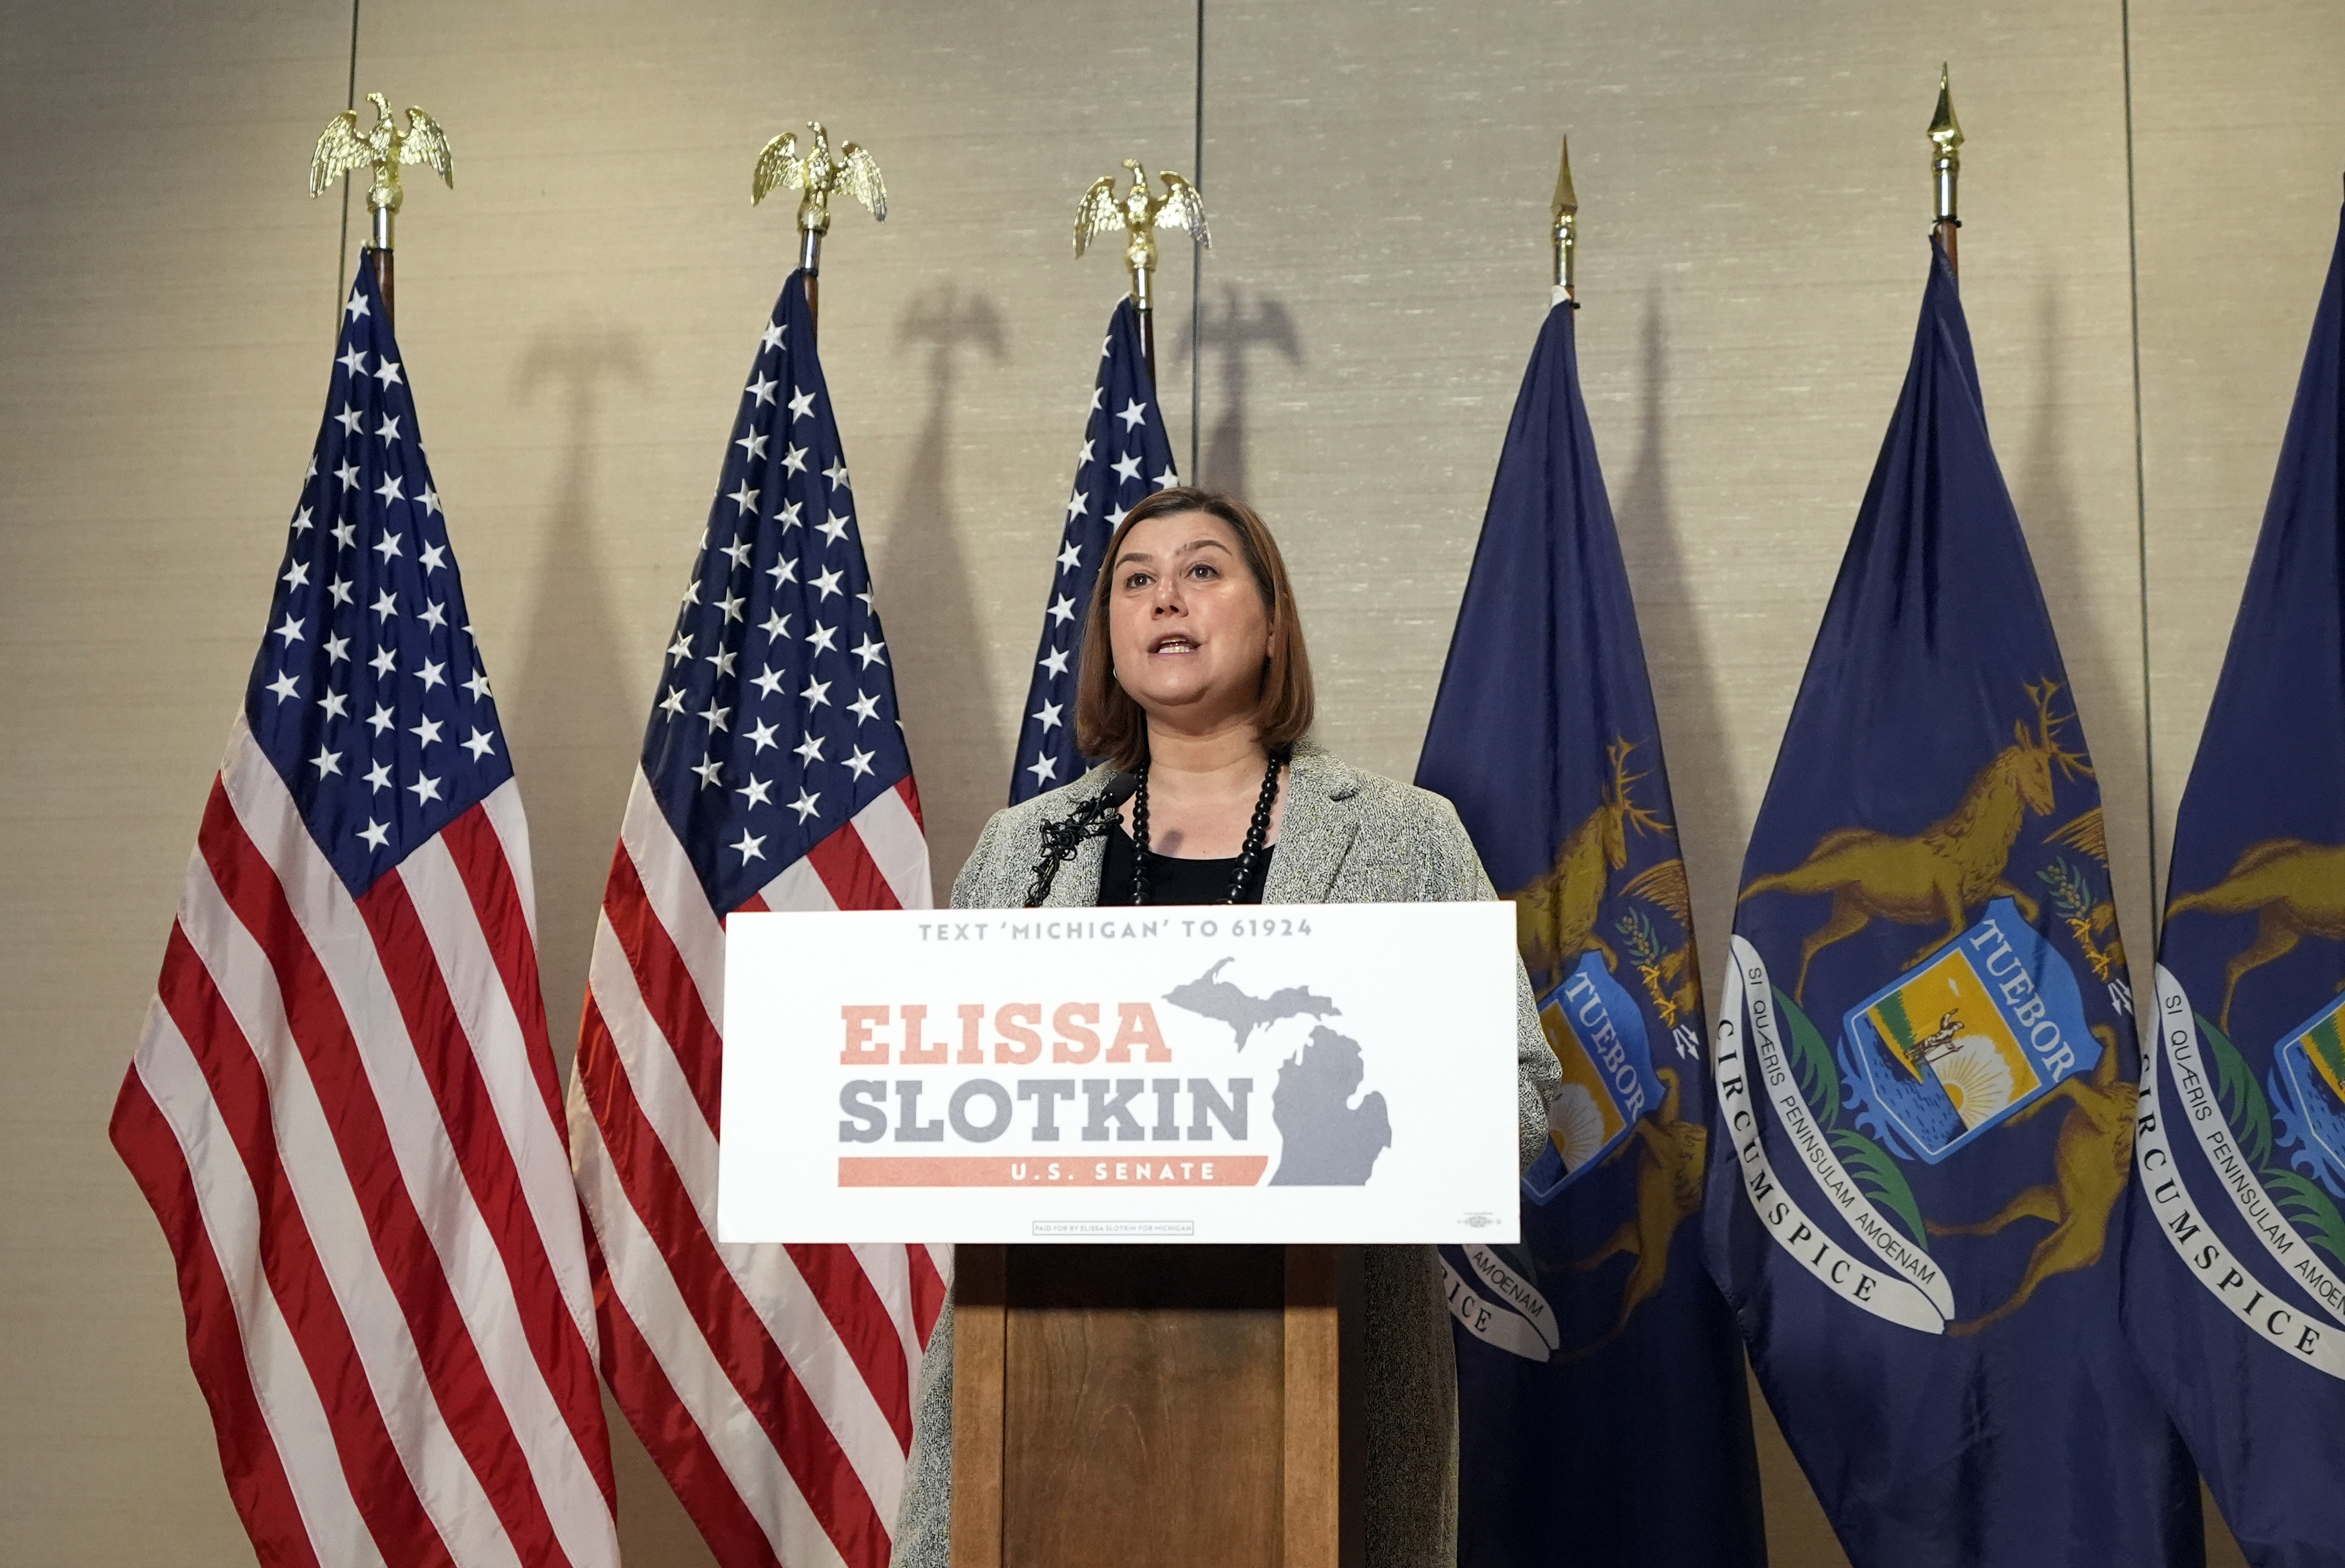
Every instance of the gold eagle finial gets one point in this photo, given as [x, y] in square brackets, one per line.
[1137, 212]
[818, 172]
[342, 150]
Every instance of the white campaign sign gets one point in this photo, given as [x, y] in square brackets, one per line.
[1332, 1073]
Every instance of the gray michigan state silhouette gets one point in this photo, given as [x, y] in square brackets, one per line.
[1327, 1141]
[1211, 996]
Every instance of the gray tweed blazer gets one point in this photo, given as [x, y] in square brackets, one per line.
[1348, 837]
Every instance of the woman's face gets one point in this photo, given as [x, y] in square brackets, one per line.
[1185, 622]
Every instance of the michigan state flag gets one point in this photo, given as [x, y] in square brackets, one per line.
[1602, 1417]
[1925, 1062]
[2238, 1300]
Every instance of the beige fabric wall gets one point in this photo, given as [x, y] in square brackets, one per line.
[577, 312]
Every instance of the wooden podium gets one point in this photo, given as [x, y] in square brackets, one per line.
[1155, 1407]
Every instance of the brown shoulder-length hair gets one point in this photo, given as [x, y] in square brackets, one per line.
[1110, 725]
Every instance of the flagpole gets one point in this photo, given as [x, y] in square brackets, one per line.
[382, 264]
[1566, 220]
[1946, 167]
[810, 263]
[1146, 307]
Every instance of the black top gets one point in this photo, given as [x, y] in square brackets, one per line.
[1172, 881]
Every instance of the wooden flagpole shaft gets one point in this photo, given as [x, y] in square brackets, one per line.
[383, 273]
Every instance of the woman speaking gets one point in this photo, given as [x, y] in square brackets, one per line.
[1195, 689]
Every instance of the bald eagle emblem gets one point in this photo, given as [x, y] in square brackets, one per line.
[818, 173]
[382, 149]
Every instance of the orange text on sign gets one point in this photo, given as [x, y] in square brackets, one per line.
[877, 1034]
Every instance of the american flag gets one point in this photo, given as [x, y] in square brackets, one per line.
[772, 1384]
[1126, 456]
[344, 1108]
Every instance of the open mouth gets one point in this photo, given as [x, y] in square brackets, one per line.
[1173, 643]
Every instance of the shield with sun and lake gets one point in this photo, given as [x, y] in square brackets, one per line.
[2312, 1080]
[1989, 1023]
[1598, 1033]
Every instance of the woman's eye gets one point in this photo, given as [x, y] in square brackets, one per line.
[1137, 580]
[1203, 569]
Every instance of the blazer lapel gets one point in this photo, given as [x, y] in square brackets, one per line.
[1322, 818]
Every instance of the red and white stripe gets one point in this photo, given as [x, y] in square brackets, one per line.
[772, 1384]
[345, 1113]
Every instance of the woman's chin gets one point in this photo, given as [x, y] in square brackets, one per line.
[1188, 704]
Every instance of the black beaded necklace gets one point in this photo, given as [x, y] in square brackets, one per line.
[1250, 852]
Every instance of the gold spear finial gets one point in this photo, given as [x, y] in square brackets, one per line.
[1945, 138]
[817, 172]
[1566, 229]
[385, 147]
